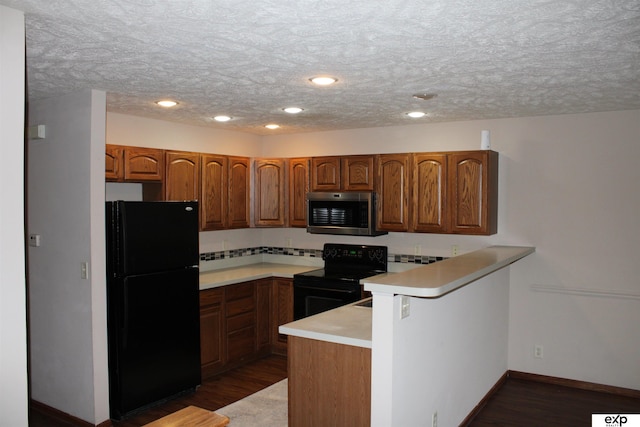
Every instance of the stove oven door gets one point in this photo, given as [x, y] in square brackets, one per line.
[311, 298]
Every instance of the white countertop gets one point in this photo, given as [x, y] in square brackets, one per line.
[349, 324]
[437, 279]
[229, 276]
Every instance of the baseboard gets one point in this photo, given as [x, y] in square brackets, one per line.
[485, 399]
[56, 414]
[582, 385]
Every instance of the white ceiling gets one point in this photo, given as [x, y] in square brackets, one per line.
[249, 59]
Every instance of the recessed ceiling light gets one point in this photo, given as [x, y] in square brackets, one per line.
[272, 126]
[222, 118]
[323, 80]
[167, 103]
[292, 110]
[416, 114]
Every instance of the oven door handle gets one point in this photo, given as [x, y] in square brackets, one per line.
[346, 291]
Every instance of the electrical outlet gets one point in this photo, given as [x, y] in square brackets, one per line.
[454, 250]
[287, 242]
[434, 419]
[538, 351]
[417, 249]
[404, 312]
[34, 240]
[84, 270]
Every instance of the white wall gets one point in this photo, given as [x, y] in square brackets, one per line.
[143, 132]
[13, 328]
[568, 187]
[66, 207]
[443, 357]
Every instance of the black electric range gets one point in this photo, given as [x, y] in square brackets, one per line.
[338, 283]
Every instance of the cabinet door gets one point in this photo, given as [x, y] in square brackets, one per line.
[298, 189]
[357, 173]
[325, 173]
[143, 164]
[211, 331]
[114, 163]
[238, 208]
[214, 186]
[473, 184]
[429, 189]
[282, 312]
[269, 195]
[182, 175]
[393, 192]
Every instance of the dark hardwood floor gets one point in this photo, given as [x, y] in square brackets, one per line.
[524, 403]
[518, 402]
[214, 393]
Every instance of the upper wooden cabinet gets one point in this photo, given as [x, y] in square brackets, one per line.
[357, 173]
[114, 163]
[473, 192]
[446, 192]
[429, 211]
[325, 173]
[350, 173]
[143, 164]
[269, 192]
[182, 176]
[454, 192]
[214, 189]
[239, 179]
[393, 192]
[298, 189]
[133, 164]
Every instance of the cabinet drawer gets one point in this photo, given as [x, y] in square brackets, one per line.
[241, 321]
[211, 297]
[241, 290]
[240, 306]
[241, 343]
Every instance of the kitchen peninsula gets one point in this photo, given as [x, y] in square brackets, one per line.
[437, 339]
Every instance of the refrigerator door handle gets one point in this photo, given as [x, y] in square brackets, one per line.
[125, 321]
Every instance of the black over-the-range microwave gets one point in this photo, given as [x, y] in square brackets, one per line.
[347, 213]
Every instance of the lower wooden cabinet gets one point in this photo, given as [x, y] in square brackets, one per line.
[282, 312]
[211, 331]
[329, 384]
[239, 322]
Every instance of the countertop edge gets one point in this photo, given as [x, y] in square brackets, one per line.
[228, 276]
[491, 258]
[319, 336]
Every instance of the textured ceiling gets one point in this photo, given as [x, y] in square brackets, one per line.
[249, 59]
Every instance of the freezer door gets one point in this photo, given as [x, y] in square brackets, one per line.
[153, 236]
[154, 331]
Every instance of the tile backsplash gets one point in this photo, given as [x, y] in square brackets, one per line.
[313, 253]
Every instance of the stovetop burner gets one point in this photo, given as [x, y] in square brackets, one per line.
[349, 263]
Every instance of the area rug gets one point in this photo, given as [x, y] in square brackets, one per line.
[266, 408]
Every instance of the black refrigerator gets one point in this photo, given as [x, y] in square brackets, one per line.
[153, 316]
